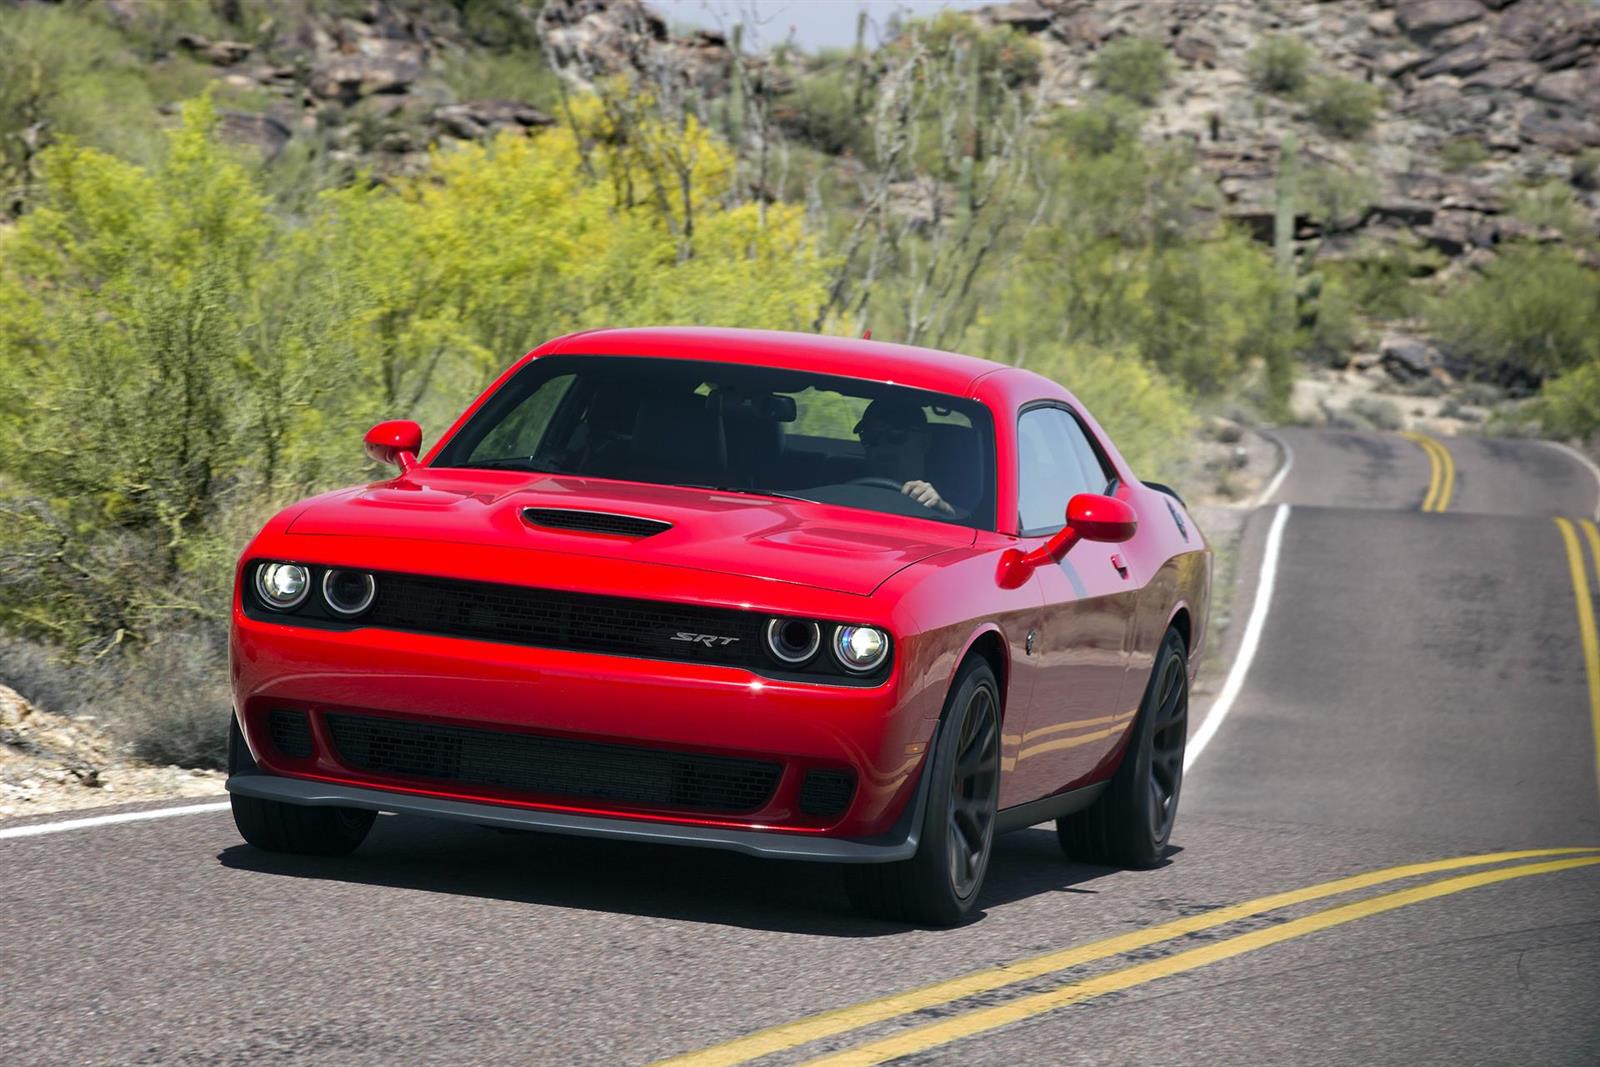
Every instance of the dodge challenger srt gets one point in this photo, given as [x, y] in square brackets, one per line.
[796, 596]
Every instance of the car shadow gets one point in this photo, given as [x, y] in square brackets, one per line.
[660, 881]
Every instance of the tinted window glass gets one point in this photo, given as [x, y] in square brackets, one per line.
[1055, 463]
[739, 427]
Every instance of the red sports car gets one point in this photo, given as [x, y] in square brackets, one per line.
[797, 596]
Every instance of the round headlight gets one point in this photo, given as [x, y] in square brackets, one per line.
[793, 641]
[348, 592]
[282, 586]
[860, 648]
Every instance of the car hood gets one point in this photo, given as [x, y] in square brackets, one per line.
[845, 550]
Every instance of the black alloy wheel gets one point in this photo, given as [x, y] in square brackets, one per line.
[1169, 735]
[1131, 822]
[974, 790]
[940, 885]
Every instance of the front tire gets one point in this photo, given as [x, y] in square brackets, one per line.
[940, 884]
[273, 826]
[1130, 824]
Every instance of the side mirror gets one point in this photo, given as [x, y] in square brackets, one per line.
[395, 442]
[1101, 518]
[1090, 517]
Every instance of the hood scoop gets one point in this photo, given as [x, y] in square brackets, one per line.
[600, 522]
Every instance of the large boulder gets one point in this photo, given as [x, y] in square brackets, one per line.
[1424, 18]
[347, 78]
[482, 118]
[1408, 357]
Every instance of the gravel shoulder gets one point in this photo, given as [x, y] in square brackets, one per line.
[52, 763]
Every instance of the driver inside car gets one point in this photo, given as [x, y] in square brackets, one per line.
[894, 435]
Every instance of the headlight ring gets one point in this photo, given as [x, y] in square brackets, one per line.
[348, 593]
[793, 641]
[282, 586]
[859, 649]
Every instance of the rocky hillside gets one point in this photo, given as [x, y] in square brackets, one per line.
[1475, 99]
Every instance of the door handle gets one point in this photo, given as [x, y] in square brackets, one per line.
[1121, 564]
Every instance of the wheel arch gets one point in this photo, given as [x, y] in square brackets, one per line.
[989, 644]
[1182, 620]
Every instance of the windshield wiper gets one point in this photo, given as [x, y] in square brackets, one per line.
[744, 492]
[513, 463]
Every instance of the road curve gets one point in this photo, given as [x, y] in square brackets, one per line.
[1418, 704]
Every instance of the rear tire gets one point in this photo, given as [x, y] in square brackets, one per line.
[1130, 824]
[273, 826]
[940, 884]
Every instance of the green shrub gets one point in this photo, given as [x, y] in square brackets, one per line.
[1329, 329]
[1554, 205]
[1343, 107]
[1586, 169]
[1462, 154]
[1279, 65]
[1337, 196]
[1381, 279]
[1100, 127]
[1010, 56]
[821, 112]
[1569, 406]
[520, 75]
[1534, 311]
[1134, 67]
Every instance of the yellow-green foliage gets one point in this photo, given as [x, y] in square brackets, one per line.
[175, 350]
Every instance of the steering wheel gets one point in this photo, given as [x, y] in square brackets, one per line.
[878, 482]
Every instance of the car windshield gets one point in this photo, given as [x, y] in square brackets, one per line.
[740, 428]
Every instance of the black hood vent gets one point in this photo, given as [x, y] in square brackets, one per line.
[601, 522]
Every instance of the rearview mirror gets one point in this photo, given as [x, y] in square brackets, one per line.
[395, 442]
[1090, 517]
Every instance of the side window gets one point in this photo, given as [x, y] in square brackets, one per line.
[1055, 463]
[1097, 470]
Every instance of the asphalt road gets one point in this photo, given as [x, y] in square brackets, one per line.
[1419, 693]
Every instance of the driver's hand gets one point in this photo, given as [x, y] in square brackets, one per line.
[925, 494]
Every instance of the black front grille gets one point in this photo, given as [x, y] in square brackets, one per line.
[595, 522]
[583, 622]
[553, 767]
[827, 792]
[290, 732]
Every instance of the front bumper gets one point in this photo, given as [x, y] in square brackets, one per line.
[880, 734]
[899, 843]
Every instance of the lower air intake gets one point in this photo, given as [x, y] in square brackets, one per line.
[291, 733]
[551, 767]
[827, 792]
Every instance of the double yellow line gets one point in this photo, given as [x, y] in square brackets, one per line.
[980, 1019]
[1586, 624]
[1442, 472]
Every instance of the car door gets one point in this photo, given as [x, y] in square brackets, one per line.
[1079, 707]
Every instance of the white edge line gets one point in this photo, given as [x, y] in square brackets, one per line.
[1581, 458]
[1287, 462]
[1247, 647]
[39, 829]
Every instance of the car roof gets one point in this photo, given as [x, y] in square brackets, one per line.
[919, 368]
